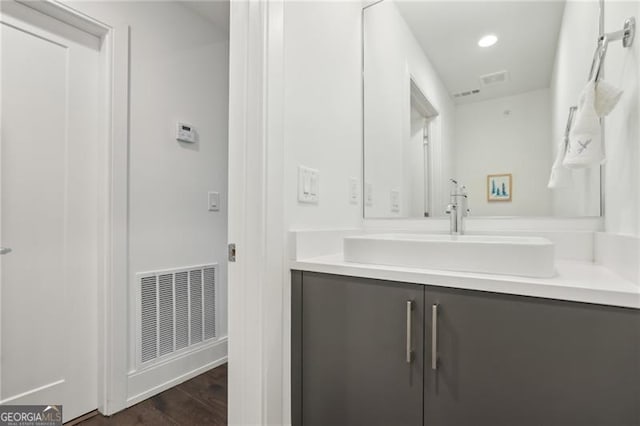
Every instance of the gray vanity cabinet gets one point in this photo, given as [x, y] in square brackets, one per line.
[502, 360]
[353, 355]
[518, 361]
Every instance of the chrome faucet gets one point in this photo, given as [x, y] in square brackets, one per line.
[457, 209]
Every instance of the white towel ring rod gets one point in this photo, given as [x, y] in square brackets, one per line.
[626, 34]
[572, 112]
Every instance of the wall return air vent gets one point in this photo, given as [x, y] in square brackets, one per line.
[176, 312]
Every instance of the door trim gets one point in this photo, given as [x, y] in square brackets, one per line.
[113, 190]
[113, 288]
[258, 279]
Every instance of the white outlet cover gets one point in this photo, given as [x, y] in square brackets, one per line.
[395, 201]
[353, 190]
[315, 185]
[368, 194]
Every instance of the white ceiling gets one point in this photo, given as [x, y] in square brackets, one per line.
[448, 32]
[216, 11]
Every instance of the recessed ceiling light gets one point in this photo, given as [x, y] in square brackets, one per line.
[488, 40]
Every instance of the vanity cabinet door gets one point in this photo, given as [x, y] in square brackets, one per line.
[352, 334]
[512, 360]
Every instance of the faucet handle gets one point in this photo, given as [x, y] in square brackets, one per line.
[457, 188]
[453, 184]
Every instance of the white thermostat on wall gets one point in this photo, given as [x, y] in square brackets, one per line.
[185, 133]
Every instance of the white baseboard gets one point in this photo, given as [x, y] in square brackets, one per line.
[149, 382]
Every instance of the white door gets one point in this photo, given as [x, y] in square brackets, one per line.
[50, 77]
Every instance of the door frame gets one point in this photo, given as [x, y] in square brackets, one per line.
[113, 196]
[259, 281]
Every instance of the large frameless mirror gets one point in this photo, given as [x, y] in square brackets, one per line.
[478, 92]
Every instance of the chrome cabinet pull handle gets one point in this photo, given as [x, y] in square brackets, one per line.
[434, 337]
[5, 250]
[409, 351]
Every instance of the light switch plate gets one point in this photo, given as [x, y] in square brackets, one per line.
[214, 201]
[368, 194]
[353, 190]
[308, 185]
[395, 201]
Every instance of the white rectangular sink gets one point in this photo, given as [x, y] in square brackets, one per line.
[524, 256]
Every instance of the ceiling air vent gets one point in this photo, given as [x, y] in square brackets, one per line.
[466, 93]
[494, 78]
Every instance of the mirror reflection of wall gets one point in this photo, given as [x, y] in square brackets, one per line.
[437, 105]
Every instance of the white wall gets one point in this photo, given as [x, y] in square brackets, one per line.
[622, 134]
[622, 67]
[178, 71]
[322, 109]
[394, 57]
[500, 136]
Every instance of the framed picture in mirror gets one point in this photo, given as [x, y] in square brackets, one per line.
[499, 187]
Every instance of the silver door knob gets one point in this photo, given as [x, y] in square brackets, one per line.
[5, 250]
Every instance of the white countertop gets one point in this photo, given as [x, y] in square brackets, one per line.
[575, 281]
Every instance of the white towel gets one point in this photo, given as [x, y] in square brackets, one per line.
[561, 177]
[585, 143]
[585, 147]
[607, 97]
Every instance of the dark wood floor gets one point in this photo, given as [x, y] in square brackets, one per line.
[199, 401]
